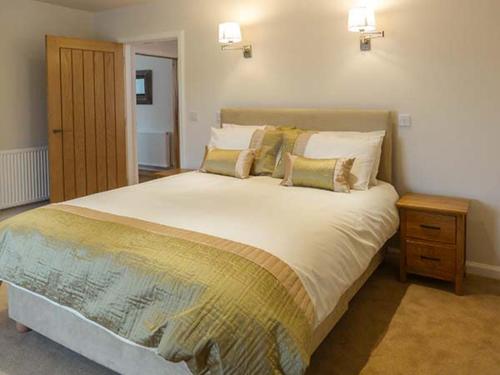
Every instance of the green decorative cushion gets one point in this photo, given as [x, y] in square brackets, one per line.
[234, 163]
[329, 174]
[289, 138]
[268, 144]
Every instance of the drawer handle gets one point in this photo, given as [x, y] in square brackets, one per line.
[425, 226]
[423, 257]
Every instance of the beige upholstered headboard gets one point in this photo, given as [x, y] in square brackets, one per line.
[321, 119]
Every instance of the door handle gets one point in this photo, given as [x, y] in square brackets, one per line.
[57, 131]
[433, 227]
[434, 259]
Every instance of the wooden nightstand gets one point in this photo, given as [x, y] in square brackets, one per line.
[171, 172]
[433, 231]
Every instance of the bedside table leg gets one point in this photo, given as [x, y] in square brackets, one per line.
[402, 264]
[459, 284]
[402, 247]
[460, 265]
[459, 289]
[402, 275]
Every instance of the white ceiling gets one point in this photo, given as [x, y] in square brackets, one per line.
[94, 5]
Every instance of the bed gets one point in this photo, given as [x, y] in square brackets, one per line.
[331, 254]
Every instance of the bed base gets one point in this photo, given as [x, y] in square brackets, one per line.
[81, 335]
[343, 305]
[73, 331]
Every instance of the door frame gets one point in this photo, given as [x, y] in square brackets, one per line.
[130, 106]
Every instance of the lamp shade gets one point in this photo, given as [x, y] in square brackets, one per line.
[362, 20]
[229, 32]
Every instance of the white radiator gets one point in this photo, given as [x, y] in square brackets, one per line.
[153, 149]
[24, 176]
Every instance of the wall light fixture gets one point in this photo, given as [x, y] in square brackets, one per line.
[362, 20]
[230, 36]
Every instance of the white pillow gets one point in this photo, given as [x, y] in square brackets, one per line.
[377, 135]
[234, 126]
[231, 138]
[327, 145]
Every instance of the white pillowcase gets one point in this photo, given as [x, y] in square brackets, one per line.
[234, 126]
[365, 147]
[231, 138]
[377, 136]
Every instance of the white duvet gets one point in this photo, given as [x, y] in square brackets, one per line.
[327, 238]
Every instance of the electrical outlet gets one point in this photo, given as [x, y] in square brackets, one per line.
[405, 120]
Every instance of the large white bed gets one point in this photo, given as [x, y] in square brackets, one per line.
[328, 239]
[332, 241]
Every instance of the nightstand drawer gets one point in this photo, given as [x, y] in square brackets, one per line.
[431, 226]
[431, 260]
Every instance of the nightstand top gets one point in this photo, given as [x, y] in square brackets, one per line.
[434, 203]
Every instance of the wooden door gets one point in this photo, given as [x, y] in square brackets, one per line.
[86, 117]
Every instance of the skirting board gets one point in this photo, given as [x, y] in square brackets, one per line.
[481, 269]
[473, 268]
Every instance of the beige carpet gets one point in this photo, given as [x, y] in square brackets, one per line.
[434, 332]
[390, 328]
[418, 328]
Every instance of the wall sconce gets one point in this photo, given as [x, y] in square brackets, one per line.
[230, 34]
[362, 20]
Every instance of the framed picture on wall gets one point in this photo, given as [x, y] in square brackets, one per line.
[144, 86]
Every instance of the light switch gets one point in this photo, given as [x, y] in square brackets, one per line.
[193, 116]
[404, 120]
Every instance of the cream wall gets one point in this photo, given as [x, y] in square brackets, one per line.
[438, 62]
[24, 23]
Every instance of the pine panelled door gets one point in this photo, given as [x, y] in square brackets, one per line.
[86, 117]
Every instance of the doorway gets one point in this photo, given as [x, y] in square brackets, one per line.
[154, 79]
[156, 112]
